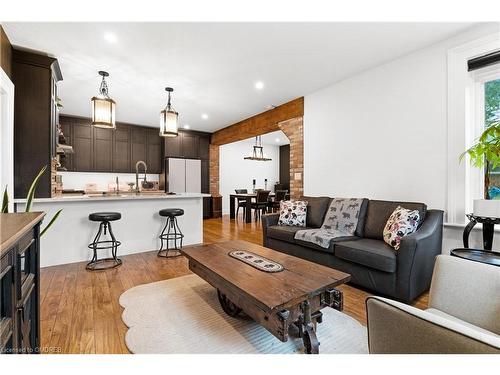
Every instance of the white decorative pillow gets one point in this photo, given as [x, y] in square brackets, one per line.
[401, 223]
[293, 213]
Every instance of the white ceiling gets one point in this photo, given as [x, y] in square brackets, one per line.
[213, 67]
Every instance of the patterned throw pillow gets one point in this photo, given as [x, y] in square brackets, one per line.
[401, 223]
[293, 213]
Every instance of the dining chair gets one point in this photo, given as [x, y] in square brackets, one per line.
[260, 204]
[279, 196]
[241, 201]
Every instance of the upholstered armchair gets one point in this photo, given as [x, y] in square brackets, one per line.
[463, 314]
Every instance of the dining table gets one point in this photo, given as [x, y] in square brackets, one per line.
[233, 202]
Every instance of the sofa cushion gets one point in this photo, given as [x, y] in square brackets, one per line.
[402, 222]
[283, 232]
[378, 213]
[360, 228]
[368, 252]
[293, 213]
[316, 210]
[330, 249]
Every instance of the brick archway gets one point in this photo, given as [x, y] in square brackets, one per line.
[287, 118]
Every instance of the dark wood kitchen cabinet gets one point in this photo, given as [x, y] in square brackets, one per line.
[188, 144]
[107, 150]
[35, 79]
[83, 158]
[138, 137]
[121, 149]
[153, 151]
[103, 149]
[173, 146]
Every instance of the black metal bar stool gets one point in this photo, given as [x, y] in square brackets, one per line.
[172, 225]
[105, 263]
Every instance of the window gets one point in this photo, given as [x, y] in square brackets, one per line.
[492, 116]
[486, 111]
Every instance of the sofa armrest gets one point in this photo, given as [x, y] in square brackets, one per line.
[421, 332]
[417, 254]
[268, 220]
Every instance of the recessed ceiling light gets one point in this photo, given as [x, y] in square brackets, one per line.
[186, 126]
[110, 37]
[204, 116]
[259, 85]
[277, 139]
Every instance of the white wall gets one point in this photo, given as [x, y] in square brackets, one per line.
[237, 173]
[77, 180]
[7, 137]
[383, 133]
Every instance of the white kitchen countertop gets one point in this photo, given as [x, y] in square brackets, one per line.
[110, 197]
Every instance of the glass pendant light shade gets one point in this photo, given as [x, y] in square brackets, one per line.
[169, 119]
[103, 107]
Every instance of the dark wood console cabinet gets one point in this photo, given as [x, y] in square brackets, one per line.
[20, 282]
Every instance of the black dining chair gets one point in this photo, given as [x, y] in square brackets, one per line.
[260, 204]
[278, 197]
[242, 202]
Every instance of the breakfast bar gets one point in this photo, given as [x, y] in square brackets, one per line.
[138, 230]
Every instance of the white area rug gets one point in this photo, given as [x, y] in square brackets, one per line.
[183, 315]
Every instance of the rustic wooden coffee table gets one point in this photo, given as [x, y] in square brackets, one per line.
[276, 300]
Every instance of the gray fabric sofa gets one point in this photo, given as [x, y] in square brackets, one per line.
[373, 264]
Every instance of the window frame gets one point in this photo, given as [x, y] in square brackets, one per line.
[474, 176]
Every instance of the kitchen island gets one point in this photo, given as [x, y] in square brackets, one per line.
[138, 230]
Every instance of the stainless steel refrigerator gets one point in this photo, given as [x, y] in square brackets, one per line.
[182, 175]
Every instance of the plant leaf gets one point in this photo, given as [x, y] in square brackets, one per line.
[5, 201]
[31, 191]
[51, 222]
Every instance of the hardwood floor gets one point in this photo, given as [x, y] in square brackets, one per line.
[80, 311]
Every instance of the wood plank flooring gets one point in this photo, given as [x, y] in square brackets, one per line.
[80, 311]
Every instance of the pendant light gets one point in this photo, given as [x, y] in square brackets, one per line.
[169, 119]
[103, 107]
[257, 151]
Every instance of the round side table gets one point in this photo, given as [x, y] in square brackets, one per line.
[482, 256]
[488, 229]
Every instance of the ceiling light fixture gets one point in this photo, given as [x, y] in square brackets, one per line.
[169, 119]
[103, 107]
[204, 116]
[277, 139]
[186, 126]
[259, 85]
[110, 38]
[258, 151]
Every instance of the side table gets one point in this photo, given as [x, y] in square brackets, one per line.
[483, 256]
[488, 229]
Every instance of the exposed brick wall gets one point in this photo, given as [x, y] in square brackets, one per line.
[294, 130]
[213, 154]
[287, 118]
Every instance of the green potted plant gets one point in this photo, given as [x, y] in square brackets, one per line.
[485, 154]
[29, 200]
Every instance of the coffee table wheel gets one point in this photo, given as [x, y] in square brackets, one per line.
[311, 343]
[229, 307]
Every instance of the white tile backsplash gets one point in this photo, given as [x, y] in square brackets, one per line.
[77, 180]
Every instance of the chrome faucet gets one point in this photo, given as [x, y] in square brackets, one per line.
[137, 174]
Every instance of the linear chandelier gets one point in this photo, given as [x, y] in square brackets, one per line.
[258, 151]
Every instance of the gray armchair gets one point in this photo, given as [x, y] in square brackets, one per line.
[463, 314]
